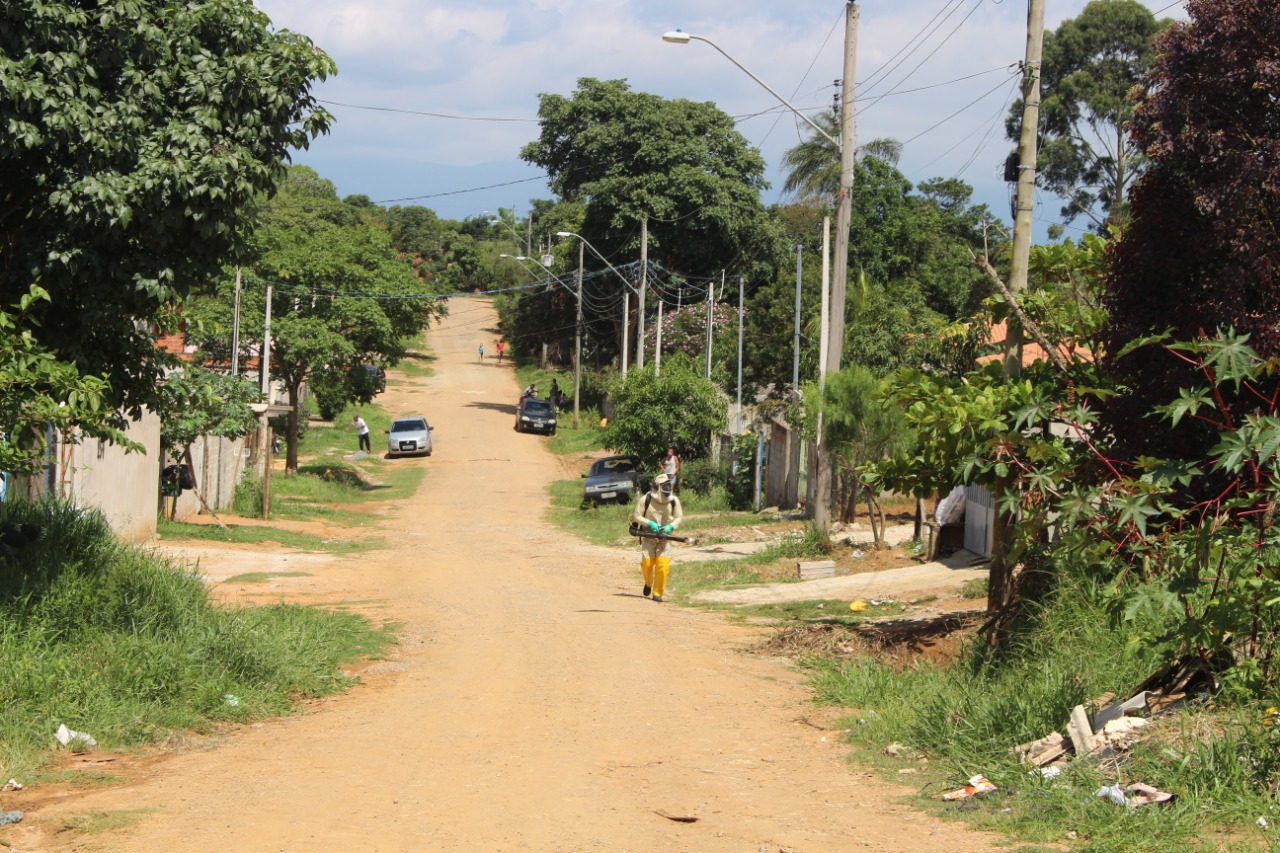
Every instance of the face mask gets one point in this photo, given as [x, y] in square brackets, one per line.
[666, 490]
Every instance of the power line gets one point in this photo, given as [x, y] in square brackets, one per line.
[424, 113]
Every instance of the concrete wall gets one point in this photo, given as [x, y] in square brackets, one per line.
[217, 464]
[782, 472]
[124, 486]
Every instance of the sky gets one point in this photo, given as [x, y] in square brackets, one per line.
[434, 100]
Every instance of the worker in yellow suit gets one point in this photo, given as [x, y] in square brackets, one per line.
[657, 511]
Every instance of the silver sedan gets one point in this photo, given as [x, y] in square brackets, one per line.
[409, 436]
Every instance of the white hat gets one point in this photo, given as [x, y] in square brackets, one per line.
[660, 479]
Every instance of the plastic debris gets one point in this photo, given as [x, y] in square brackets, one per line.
[9, 817]
[231, 699]
[65, 736]
[858, 606]
[1053, 771]
[977, 785]
[11, 785]
[1114, 793]
[1262, 822]
[1134, 795]
[858, 555]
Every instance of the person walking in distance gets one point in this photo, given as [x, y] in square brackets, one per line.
[657, 511]
[502, 347]
[671, 466]
[362, 430]
[481, 349]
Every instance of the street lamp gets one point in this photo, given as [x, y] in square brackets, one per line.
[840, 273]
[626, 304]
[577, 356]
[528, 242]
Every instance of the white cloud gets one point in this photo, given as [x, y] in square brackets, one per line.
[491, 58]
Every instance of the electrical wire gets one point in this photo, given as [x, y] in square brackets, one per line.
[424, 113]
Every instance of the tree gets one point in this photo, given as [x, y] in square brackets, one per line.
[1090, 64]
[195, 402]
[40, 392]
[813, 166]
[679, 409]
[1202, 252]
[342, 296]
[135, 135]
[626, 154]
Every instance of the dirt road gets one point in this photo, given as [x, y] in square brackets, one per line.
[536, 701]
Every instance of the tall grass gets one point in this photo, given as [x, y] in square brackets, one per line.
[114, 642]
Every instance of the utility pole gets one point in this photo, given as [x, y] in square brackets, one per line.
[644, 278]
[795, 360]
[657, 344]
[711, 316]
[235, 330]
[1024, 199]
[840, 278]
[264, 357]
[820, 507]
[626, 327]
[577, 341]
[742, 283]
[1000, 577]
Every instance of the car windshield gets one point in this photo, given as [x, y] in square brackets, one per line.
[408, 425]
[613, 466]
[537, 407]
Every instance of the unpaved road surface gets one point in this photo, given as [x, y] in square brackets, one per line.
[535, 702]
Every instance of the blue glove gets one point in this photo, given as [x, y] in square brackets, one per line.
[653, 526]
[667, 528]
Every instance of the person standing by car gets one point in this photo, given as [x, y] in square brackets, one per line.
[671, 466]
[657, 511]
[362, 430]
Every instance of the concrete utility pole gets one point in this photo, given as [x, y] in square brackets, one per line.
[657, 344]
[577, 341]
[795, 357]
[644, 278]
[264, 357]
[840, 278]
[742, 284]
[711, 292]
[1000, 578]
[235, 330]
[1025, 196]
[626, 328]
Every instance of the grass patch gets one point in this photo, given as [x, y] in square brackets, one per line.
[263, 577]
[247, 534]
[104, 821]
[112, 641]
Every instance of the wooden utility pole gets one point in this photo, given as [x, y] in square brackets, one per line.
[1000, 579]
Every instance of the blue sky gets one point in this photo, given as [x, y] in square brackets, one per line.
[937, 75]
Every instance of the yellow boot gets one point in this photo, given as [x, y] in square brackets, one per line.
[646, 569]
[662, 569]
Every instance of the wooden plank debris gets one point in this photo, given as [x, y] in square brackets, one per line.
[814, 569]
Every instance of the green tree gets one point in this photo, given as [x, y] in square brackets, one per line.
[679, 409]
[626, 154]
[135, 134]
[40, 392]
[1090, 64]
[1203, 251]
[813, 166]
[342, 295]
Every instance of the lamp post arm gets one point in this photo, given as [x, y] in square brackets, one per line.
[769, 89]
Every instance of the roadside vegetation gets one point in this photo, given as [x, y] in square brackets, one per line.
[118, 644]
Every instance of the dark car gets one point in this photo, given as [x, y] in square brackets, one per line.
[614, 479]
[536, 415]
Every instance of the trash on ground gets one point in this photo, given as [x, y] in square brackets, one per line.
[9, 817]
[679, 818]
[65, 736]
[893, 750]
[1134, 795]
[11, 785]
[1262, 822]
[1053, 771]
[977, 785]
[858, 606]
[1043, 751]
[231, 699]
[858, 555]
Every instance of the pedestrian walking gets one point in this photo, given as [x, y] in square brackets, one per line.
[671, 466]
[658, 511]
[481, 348]
[502, 348]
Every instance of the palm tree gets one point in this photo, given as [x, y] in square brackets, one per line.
[814, 165]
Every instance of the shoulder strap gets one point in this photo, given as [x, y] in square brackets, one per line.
[648, 499]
